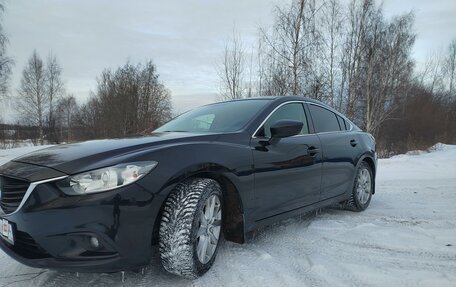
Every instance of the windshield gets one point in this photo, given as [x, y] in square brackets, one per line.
[220, 117]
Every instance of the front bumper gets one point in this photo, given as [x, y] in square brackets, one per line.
[53, 230]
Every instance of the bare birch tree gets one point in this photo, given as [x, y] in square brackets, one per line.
[285, 49]
[5, 61]
[449, 67]
[33, 99]
[232, 69]
[432, 74]
[389, 70]
[332, 26]
[292, 56]
[357, 18]
[54, 89]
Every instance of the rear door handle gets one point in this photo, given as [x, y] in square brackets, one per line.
[312, 151]
[353, 142]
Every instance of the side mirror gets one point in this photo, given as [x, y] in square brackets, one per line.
[285, 128]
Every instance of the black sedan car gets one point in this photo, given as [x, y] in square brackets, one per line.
[223, 169]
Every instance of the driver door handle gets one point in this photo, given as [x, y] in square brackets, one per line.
[312, 151]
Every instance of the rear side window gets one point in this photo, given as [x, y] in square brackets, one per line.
[293, 111]
[324, 120]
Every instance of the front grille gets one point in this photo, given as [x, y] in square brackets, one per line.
[12, 191]
[25, 246]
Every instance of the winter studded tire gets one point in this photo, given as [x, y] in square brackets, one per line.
[362, 189]
[190, 227]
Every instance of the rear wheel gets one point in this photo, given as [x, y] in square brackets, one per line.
[362, 189]
[190, 228]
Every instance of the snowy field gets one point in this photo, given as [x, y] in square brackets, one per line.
[407, 237]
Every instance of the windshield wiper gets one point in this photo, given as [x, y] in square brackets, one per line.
[174, 131]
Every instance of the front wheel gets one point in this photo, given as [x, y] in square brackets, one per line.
[191, 227]
[362, 189]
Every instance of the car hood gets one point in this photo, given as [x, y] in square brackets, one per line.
[79, 157]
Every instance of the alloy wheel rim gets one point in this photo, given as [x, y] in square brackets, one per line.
[209, 229]
[364, 187]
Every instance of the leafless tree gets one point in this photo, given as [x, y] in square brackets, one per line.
[250, 84]
[292, 54]
[449, 67]
[66, 112]
[332, 24]
[389, 70]
[89, 119]
[54, 89]
[5, 61]
[432, 74]
[284, 49]
[127, 101]
[232, 69]
[356, 30]
[33, 99]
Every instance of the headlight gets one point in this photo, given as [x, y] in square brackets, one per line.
[107, 178]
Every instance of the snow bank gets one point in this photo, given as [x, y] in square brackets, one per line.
[437, 162]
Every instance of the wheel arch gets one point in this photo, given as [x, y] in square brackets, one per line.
[233, 217]
[233, 211]
[371, 162]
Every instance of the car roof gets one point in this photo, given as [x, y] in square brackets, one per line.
[273, 98]
[282, 99]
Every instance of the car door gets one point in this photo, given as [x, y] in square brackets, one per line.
[287, 172]
[339, 151]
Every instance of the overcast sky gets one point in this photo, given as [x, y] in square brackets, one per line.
[185, 39]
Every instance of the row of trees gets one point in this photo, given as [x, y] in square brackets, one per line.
[127, 101]
[348, 55]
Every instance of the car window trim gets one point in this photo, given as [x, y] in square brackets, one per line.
[275, 109]
[302, 102]
[281, 105]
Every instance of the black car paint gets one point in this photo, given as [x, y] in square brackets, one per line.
[265, 181]
[288, 161]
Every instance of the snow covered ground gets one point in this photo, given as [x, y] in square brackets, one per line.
[407, 237]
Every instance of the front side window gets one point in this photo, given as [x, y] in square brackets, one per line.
[293, 111]
[324, 120]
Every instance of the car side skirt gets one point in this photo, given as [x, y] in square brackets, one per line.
[299, 211]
